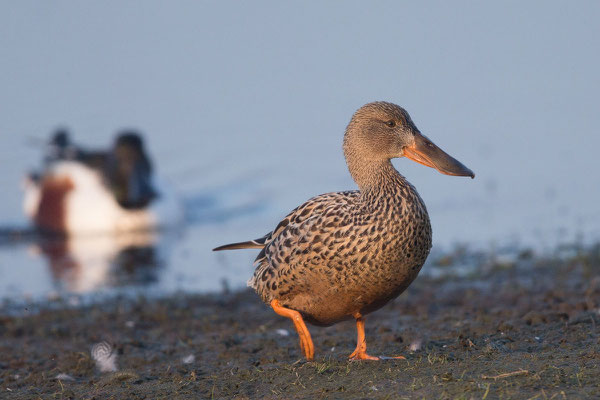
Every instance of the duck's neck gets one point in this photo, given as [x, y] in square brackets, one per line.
[376, 177]
[383, 188]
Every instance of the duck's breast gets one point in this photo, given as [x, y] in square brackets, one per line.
[349, 260]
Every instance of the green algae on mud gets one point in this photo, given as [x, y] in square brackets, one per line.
[529, 329]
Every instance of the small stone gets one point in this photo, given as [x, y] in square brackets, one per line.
[64, 377]
[415, 345]
[282, 332]
[188, 359]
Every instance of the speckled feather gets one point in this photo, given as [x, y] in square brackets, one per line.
[346, 252]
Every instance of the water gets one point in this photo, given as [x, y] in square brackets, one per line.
[244, 107]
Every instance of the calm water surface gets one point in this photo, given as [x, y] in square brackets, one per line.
[244, 111]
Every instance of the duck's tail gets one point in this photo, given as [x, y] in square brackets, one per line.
[250, 244]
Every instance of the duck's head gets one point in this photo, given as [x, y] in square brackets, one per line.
[60, 137]
[380, 131]
[60, 147]
[130, 171]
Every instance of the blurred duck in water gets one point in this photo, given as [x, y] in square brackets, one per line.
[83, 192]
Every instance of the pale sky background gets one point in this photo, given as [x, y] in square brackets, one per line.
[248, 102]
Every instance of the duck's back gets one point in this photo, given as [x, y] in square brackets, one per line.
[342, 253]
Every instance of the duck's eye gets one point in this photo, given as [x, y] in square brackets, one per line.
[391, 124]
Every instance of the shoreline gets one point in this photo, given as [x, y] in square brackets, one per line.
[523, 329]
[451, 262]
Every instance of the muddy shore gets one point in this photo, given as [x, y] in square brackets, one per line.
[524, 329]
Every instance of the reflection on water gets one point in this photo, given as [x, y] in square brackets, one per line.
[86, 264]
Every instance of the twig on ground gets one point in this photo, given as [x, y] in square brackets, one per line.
[506, 375]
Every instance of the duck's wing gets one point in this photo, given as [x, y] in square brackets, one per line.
[298, 215]
[317, 217]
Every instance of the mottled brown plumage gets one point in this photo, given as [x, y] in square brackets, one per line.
[343, 255]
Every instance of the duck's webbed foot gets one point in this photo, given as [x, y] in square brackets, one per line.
[360, 353]
[306, 344]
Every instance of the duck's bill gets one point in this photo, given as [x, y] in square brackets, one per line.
[425, 152]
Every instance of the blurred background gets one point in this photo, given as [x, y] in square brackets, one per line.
[243, 107]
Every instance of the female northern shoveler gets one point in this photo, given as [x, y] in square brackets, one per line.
[82, 192]
[343, 255]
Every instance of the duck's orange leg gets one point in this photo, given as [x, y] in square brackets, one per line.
[360, 353]
[306, 344]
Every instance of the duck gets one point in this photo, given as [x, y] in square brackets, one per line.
[342, 255]
[80, 191]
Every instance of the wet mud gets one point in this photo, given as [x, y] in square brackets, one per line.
[528, 328]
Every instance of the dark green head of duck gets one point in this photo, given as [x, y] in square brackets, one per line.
[129, 171]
